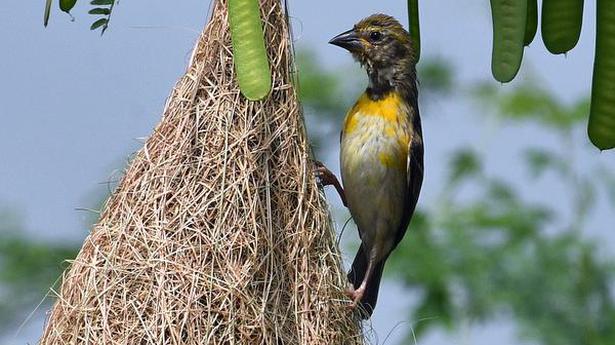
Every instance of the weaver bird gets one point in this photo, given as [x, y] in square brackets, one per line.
[381, 155]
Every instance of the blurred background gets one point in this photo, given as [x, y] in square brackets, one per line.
[513, 241]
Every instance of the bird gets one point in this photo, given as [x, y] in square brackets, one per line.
[381, 150]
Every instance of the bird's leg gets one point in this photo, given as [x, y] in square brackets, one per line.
[327, 178]
[357, 294]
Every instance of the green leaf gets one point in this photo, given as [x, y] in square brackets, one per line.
[102, 2]
[99, 23]
[100, 10]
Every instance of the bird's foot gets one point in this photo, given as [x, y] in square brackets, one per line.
[349, 292]
[326, 177]
[355, 295]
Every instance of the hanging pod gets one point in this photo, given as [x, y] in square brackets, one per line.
[249, 53]
[561, 24]
[509, 23]
[601, 127]
[531, 23]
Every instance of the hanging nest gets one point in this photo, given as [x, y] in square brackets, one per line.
[217, 233]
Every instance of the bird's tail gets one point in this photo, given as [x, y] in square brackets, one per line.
[356, 275]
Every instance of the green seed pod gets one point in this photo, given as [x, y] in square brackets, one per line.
[250, 56]
[415, 31]
[531, 24]
[601, 127]
[561, 24]
[509, 22]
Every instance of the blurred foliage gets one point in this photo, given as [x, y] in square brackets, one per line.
[324, 102]
[319, 89]
[476, 256]
[436, 77]
[530, 103]
[28, 268]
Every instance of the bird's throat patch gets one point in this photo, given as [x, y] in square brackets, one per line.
[390, 109]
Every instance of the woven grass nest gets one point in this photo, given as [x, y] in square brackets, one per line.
[217, 232]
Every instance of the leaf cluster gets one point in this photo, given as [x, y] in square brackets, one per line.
[101, 8]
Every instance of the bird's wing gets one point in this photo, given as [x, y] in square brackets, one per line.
[415, 176]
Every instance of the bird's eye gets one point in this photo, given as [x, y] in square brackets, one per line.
[375, 36]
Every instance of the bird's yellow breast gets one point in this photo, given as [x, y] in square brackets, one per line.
[387, 108]
[384, 125]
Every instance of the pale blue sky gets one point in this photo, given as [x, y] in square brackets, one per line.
[72, 105]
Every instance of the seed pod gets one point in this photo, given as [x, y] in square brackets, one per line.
[249, 54]
[531, 24]
[601, 127]
[561, 24]
[509, 21]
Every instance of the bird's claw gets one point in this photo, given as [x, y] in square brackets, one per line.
[355, 295]
[349, 292]
[324, 175]
[327, 178]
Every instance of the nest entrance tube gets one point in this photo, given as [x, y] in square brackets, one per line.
[217, 233]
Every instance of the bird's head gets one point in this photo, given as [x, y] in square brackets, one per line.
[381, 44]
[378, 40]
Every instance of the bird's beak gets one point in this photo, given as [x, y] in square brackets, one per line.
[347, 40]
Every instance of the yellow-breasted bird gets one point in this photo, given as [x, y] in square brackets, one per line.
[381, 150]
